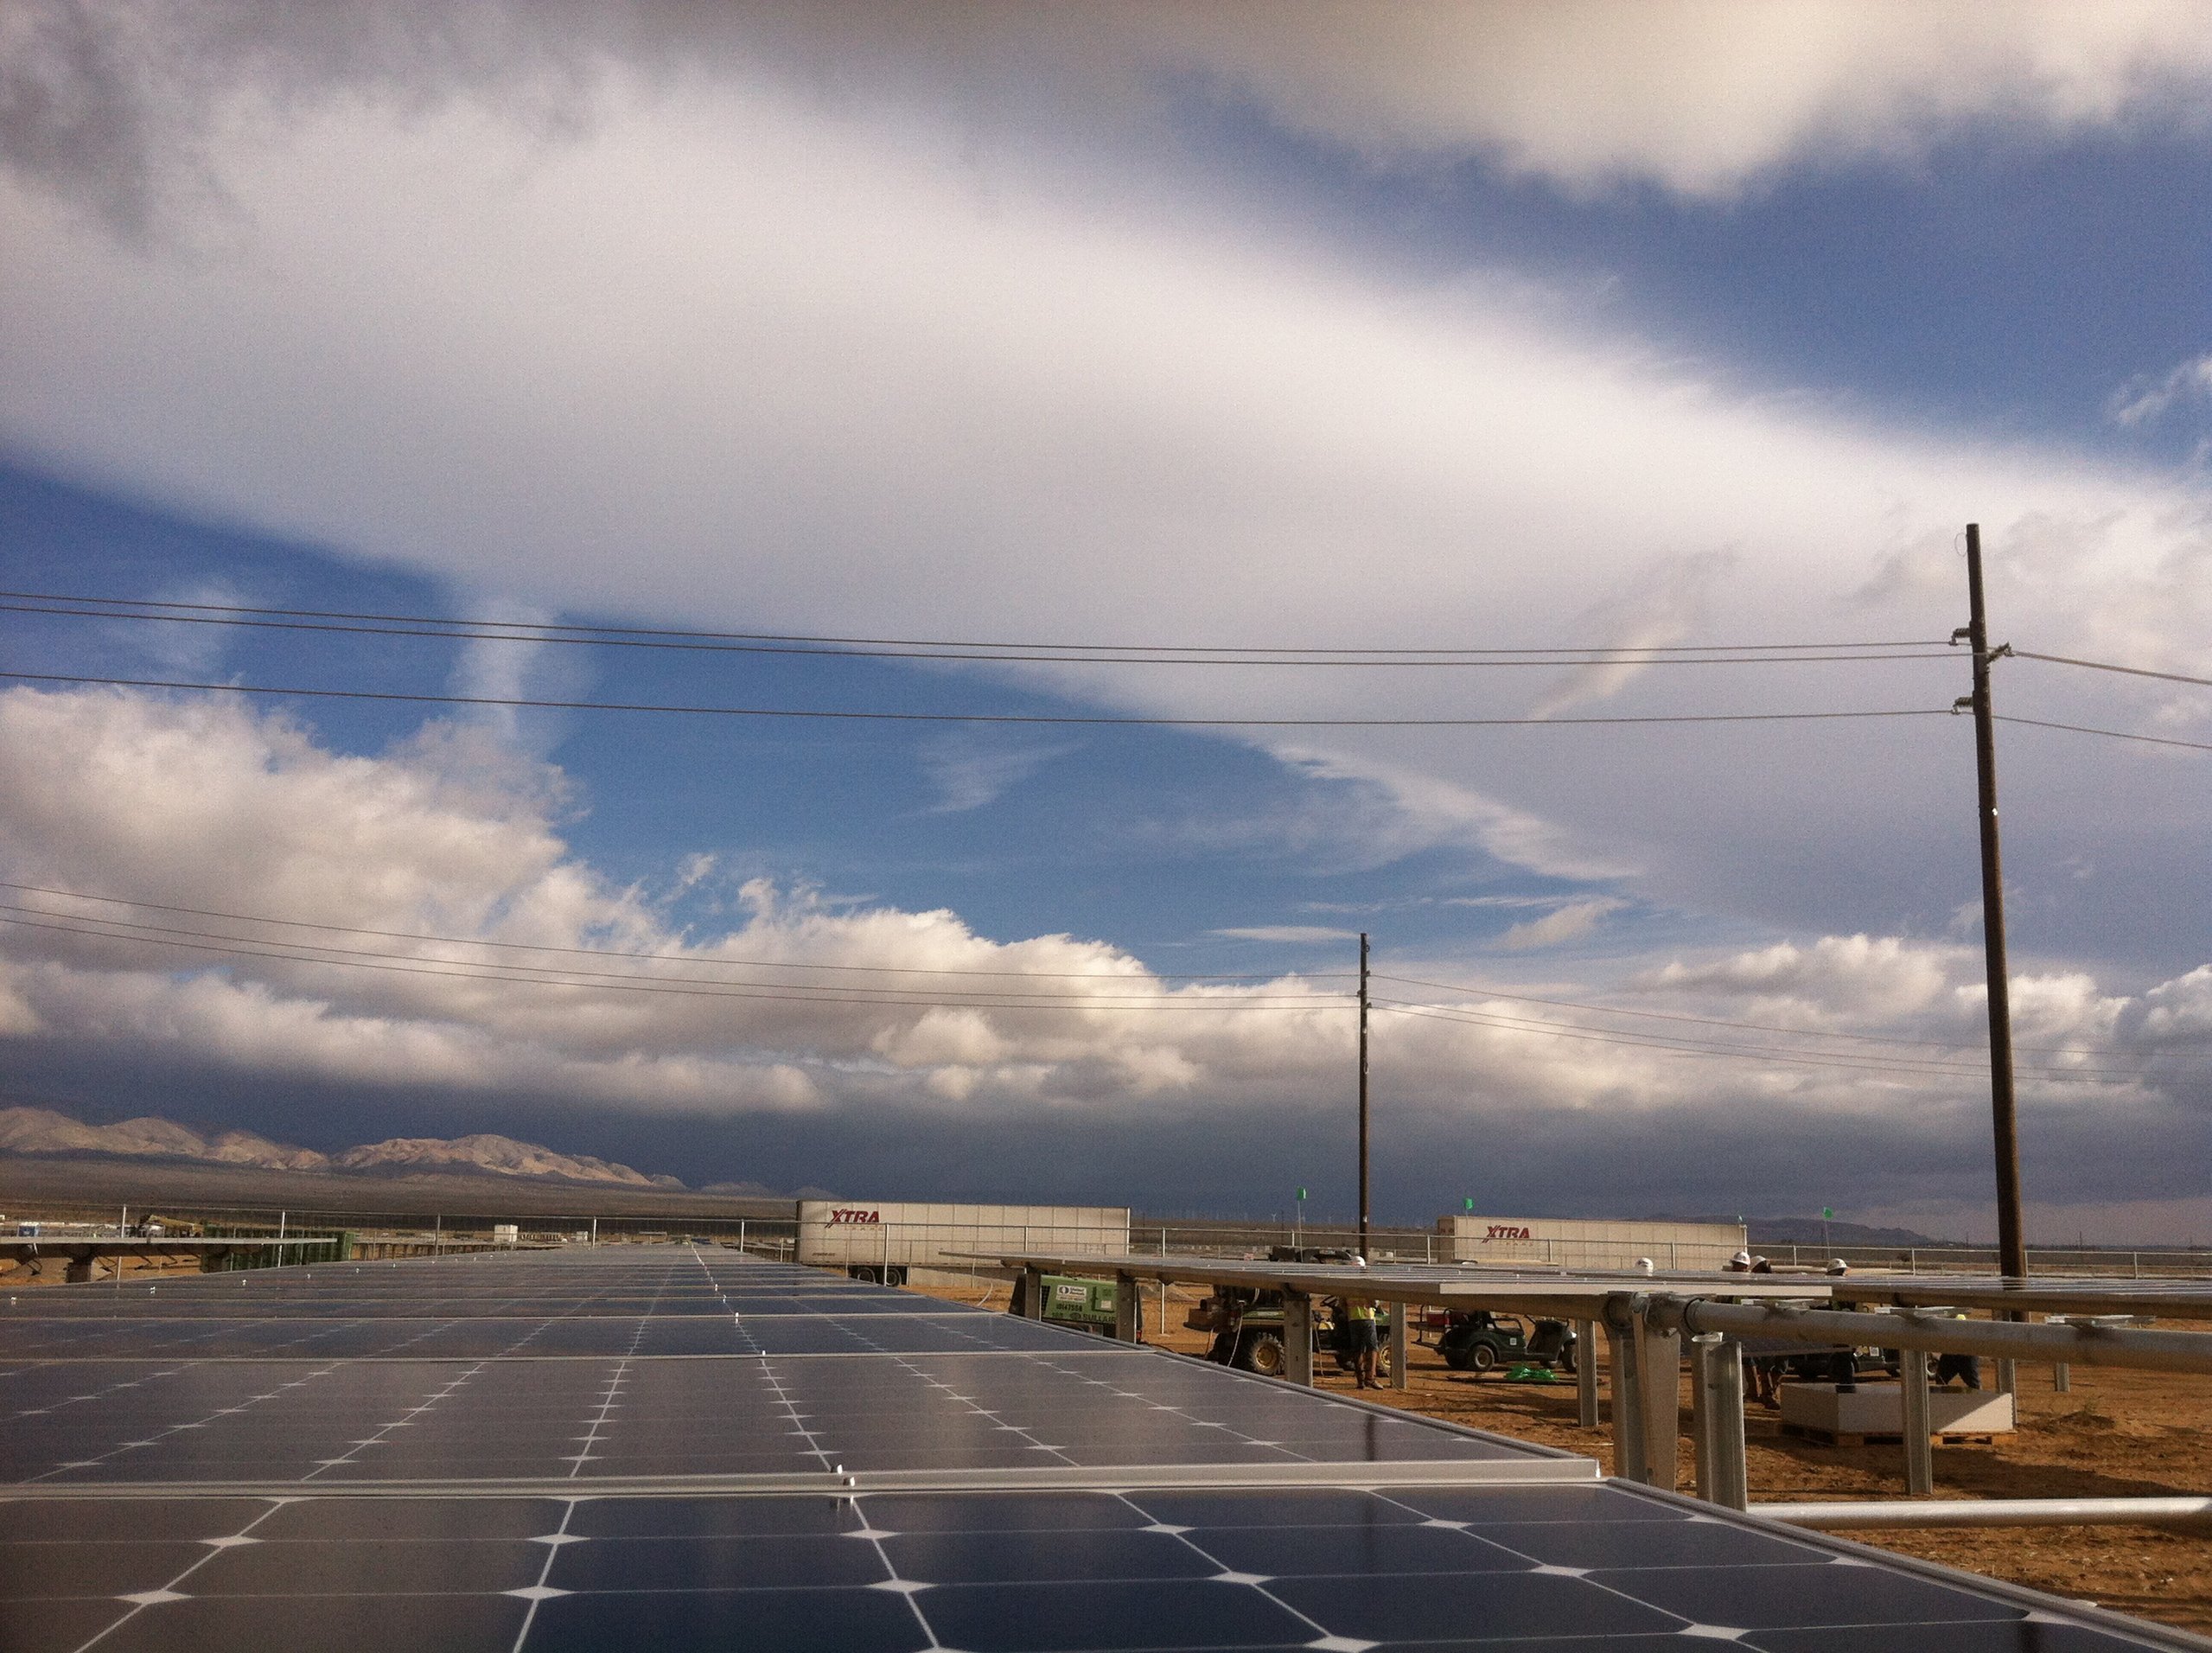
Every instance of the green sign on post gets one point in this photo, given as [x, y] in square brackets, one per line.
[1471, 1202]
[1827, 1212]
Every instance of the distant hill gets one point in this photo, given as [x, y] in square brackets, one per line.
[1812, 1230]
[42, 1132]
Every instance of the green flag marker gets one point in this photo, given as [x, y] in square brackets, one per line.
[1827, 1212]
[1302, 1193]
[1471, 1204]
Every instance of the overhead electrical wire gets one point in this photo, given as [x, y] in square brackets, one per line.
[1930, 1068]
[615, 953]
[2108, 666]
[906, 648]
[1710, 1021]
[522, 702]
[1678, 1047]
[350, 957]
[1007, 999]
[2108, 734]
[346, 958]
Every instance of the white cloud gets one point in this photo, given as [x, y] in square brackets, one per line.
[970, 771]
[1571, 923]
[2146, 399]
[1850, 977]
[1701, 97]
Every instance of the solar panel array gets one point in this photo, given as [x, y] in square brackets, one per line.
[671, 1448]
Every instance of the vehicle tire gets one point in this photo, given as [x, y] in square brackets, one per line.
[1263, 1353]
[1567, 1360]
[1481, 1358]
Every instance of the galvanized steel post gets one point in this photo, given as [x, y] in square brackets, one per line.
[1659, 1373]
[1718, 1421]
[1917, 1425]
[1399, 1314]
[1586, 1374]
[1297, 1337]
[1624, 1396]
[1128, 1309]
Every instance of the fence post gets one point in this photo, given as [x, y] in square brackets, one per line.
[1586, 1374]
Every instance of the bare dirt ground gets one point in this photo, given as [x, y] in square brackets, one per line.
[2117, 1434]
[47, 1271]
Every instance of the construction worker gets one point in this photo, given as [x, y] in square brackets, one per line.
[1765, 1371]
[1362, 1341]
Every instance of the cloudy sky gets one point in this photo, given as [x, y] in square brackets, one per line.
[1662, 351]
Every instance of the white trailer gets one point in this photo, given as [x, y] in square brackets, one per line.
[882, 1239]
[1571, 1242]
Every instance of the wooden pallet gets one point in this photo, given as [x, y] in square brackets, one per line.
[1846, 1437]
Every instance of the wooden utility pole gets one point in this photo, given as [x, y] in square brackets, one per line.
[1363, 1093]
[2011, 1239]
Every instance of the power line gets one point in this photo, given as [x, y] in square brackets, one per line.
[124, 929]
[1930, 1068]
[516, 702]
[354, 959]
[2109, 734]
[1667, 1041]
[1733, 1053]
[1711, 1021]
[459, 631]
[614, 953]
[2106, 666]
[544, 631]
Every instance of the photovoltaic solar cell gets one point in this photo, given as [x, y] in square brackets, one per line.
[321, 1429]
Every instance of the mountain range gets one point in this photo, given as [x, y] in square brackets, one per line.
[40, 1131]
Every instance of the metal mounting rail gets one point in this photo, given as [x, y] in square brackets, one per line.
[1993, 1512]
[2076, 1344]
[1429, 1472]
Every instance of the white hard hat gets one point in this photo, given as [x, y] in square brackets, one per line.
[1838, 1266]
[1359, 1260]
[1646, 1264]
[1741, 1257]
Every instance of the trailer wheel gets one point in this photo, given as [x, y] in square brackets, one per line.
[1263, 1353]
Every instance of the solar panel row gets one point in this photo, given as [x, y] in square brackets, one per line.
[161, 1495]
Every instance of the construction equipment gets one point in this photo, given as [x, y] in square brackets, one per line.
[1479, 1340]
[1070, 1300]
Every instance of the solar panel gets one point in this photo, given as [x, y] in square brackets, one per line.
[566, 1451]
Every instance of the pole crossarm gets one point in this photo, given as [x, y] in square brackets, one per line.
[1931, 1332]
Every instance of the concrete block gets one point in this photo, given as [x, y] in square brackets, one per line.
[1878, 1409]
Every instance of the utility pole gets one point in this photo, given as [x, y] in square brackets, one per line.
[2011, 1240]
[1363, 1093]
